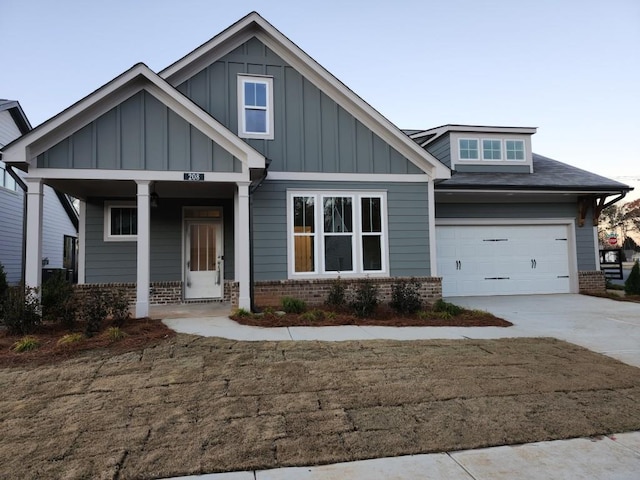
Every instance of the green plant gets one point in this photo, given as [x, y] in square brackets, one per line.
[241, 312]
[115, 333]
[336, 296]
[313, 315]
[632, 284]
[95, 310]
[4, 288]
[119, 307]
[330, 315]
[21, 310]
[442, 306]
[293, 305]
[365, 299]
[25, 344]
[58, 301]
[70, 338]
[405, 296]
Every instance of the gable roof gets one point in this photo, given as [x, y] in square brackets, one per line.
[548, 174]
[137, 78]
[253, 25]
[16, 112]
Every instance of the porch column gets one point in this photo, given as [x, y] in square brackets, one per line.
[143, 272]
[242, 250]
[82, 240]
[33, 254]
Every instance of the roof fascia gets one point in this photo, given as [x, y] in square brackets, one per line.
[529, 190]
[18, 115]
[254, 25]
[489, 129]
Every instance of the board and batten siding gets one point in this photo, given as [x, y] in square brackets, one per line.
[141, 133]
[115, 262]
[585, 248]
[408, 225]
[312, 133]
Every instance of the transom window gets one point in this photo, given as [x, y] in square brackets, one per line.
[491, 149]
[6, 180]
[120, 222]
[468, 149]
[337, 233]
[514, 149]
[255, 107]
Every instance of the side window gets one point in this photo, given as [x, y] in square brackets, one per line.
[6, 180]
[255, 107]
[514, 149]
[491, 149]
[120, 222]
[468, 148]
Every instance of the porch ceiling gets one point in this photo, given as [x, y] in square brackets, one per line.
[83, 189]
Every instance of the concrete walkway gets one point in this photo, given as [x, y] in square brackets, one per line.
[605, 326]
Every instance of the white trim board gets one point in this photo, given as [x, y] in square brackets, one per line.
[349, 177]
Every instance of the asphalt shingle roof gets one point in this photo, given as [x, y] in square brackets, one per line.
[548, 174]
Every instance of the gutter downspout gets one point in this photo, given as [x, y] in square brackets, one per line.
[23, 187]
[252, 188]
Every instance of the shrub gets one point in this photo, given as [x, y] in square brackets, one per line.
[366, 298]
[70, 338]
[405, 297]
[25, 344]
[119, 307]
[241, 312]
[94, 310]
[336, 296]
[293, 305]
[4, 287]
[450, 308]
[632, 284]
[313, 315]
[21, 310]
[58, 300]
[115, 333]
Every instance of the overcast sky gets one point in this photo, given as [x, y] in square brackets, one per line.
[569, 67]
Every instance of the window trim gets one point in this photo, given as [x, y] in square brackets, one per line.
[242, 131]
[319, 234]
[108, 236]
[524, 150]
[477, 140]
[500, 142]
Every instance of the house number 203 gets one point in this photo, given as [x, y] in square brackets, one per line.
[194, 177]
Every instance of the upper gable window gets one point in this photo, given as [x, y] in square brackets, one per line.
[491, 149]
[255, 106]
[514, 149]
[468, 149]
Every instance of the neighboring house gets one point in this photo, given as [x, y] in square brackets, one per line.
[246, 170]
[60, 221]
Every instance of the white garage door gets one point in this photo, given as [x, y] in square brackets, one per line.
[503, 260]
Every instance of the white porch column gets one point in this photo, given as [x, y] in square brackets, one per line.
[82, 240]
[144, 244]
[33, 254]
[242, 248]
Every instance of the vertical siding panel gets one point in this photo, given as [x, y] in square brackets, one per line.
[178, 139]
[155, 134]
[364, 158]
[312, 127]
[59, 156]
[200, 147]
[293, 160]
[329, 129]
[346, 142]
[82, 148]
[397, 163]
[233, 69]
[275, 149]
[106, 131]
[219, 106]
[198, 89]
[131, 132]
[222, 160]
[381, 157]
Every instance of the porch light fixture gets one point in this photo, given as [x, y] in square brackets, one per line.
[153, 198]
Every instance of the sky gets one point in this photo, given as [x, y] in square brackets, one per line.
[571, 68]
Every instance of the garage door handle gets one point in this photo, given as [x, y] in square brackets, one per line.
[534, 264]
[458, 265]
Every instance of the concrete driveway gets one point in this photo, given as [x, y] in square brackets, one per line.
[602, 325]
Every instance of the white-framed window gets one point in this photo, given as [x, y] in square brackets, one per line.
[468, 148]
[120, 222]
[337, 233]
[255, 106]
[514, 149]
[6, 180]
[491, 149]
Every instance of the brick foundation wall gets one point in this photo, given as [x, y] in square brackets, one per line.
[231, 292]
[592, 282]
[314, 292]
[161, 293]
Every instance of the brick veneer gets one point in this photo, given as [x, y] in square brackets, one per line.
[314, 292]
[592, 282]
[161, 293]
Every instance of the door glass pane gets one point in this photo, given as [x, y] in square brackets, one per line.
[371, 253]
[338, 253]
[202, 248]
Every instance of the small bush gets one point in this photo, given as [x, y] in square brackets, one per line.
[293, 305]
[241, 312]
[4, 286]
[632, 284]
[115, 333]
[119, 307]
[313, 316]
[330, 315]
[366, 299]
[442, 306]
[336, 296]
[405, 297]
[95, 309]
[58, 300]
[70, 338]
[25, 344]
[21, 310]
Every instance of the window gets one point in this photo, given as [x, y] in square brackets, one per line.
[6, 180]
[120, 222]
[514, 149]
[468, 149]
[337, 233]
[255, 107]
[491, 149]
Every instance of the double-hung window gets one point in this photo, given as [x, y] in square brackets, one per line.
[255, 106]
[120, 222]
[337, 233]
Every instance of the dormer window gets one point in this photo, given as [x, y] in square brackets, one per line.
[255, 107]
[491, 149]
[514, 149]
[468, 149]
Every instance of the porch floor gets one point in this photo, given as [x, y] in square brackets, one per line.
[190, 310]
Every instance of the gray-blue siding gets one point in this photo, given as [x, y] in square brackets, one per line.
[11, 210]
[312, 133]
[408, 225]
[585, 247]
[55, 225]
[441, 149]
[140, 134]
[108, 262]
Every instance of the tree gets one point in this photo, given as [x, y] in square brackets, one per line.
[632, 284]
[619, 219]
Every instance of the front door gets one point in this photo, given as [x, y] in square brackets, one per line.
[204, 274]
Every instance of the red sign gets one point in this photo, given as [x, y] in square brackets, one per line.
[613, 241]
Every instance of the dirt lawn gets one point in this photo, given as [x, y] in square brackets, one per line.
[197, 405]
